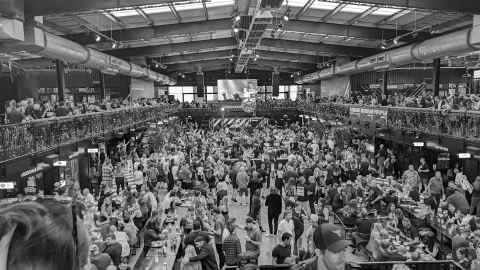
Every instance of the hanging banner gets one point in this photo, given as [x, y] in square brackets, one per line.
[378, 115]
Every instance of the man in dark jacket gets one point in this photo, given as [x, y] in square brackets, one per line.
[206, 254]
[274, 206]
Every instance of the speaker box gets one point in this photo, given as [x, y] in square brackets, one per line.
[275, 84]
[200, 84]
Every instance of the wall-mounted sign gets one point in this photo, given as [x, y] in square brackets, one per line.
[464, 155]
[7, 185]
[92, 150]
[418, 144]
[60, 163]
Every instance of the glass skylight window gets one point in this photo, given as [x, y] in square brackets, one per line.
[324, 5]
[124, 13]
[154, 10]
[355, 8]
[385, 11]
[295, 3]
[189, 6]
[219, 3]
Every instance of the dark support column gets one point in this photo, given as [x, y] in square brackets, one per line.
[436, 76]
[384, 82]
[60, 79]
[102, 86]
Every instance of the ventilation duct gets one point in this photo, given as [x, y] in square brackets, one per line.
[32, 41]
[455, 43]
[56, 47]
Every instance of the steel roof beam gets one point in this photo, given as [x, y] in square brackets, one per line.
[226, 54]
[147, 33]
[276, 45]
[145, 16]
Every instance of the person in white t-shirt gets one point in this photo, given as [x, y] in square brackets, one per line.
[138, 177]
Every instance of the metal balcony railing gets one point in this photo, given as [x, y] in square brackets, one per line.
[460, 124]
[21, 139]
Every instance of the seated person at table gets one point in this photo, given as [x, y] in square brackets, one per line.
[206, 254]
[375, 196]
[348, 214]
[197, 230]
[427, 237]
[408, 230]
[100, 260]
[283, 250]
[456, 196]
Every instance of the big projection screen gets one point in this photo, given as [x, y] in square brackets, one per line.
[228, 89]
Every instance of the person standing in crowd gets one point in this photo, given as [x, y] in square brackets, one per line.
[475, 202]
[435, 186]
[232, 247]
[424, 173]
[283, 250]
[456, 197]
[138, 178]
[286, 225]
[107, 174]
[253, 239]
[411, 178]
[274, 209]
[242, 182]
[219, 227]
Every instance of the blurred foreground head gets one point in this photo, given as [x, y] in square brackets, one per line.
[40, 235]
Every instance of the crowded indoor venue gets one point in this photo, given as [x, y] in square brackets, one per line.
[240, 135]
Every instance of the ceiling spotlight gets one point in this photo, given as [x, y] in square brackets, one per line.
[98, 38]
[291, 75]
[114, 45]
[157, 66]
[286, 18]
[395, 41]
[383, 47]
[236, 30]
[237, 18]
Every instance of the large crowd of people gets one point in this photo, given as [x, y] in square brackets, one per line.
[425, 100]
[30, 109]
[315, 187]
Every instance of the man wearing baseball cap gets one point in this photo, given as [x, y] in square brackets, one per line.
[330, 240]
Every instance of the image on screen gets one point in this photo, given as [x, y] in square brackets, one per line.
[235, 89]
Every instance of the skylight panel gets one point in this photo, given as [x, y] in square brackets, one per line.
[219, 3]
[385, 11]
[154, 10]
[124, 13]
[295, 3]
[355, 8]
[324, 5]
[189, 6]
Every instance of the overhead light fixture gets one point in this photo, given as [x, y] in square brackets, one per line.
[286, 18]
[395, 41]
[114, 45]
[236, 29]
[237, 18]
[156, 65]
[98, 38]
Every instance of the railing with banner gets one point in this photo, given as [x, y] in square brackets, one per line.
[311, 264]
[40, 135]
[461, 124]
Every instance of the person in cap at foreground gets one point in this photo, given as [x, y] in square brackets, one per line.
[206, 255]
[330, 247]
